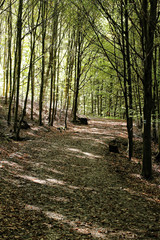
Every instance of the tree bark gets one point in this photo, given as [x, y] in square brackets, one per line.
[28, 82]
[130, 118]
[77, 80]
[127, 78]
[18, 59]
[149, 25]
[154, 130]
[43, 6]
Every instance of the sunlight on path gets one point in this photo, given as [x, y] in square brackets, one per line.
[53, 182]
[89, 155]
[84, 227]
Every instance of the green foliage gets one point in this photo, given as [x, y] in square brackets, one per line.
[102, 69]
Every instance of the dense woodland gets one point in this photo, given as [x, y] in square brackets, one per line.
[92, 57]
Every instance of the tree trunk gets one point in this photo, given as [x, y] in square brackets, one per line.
[32, 65]
[43, 6]
[78, 71]
[92, 102]
[158, 101]
[53, 64]
[10, 50]
[84, 104]
[139, 101]
[154, 130]
[58, 70]
[149, 25]
[127, 76]
[9, 56]
[18, 60]
[130, 118]
[28, 82]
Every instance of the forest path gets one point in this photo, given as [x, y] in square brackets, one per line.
[67, 185]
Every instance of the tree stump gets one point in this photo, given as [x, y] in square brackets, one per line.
[25, 125]
[83, 120]
[113, 147]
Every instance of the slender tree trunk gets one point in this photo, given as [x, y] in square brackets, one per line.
[116, 104]
[110, 98]
[43, 7]
[66, 114]
[149, 25]
[28, 82]
[139, 100]
[69, 71]
[27, 92]
[84, 104]
[10, 50]
[12, 91]
[18, 59]
[7, 64]
[101, 99]
[9, 55]
[54, 72]
[98, 108]
[51, 85]
[154, 130]
[58, 63]
[130, 118]
[92, 102]
[158, 100]
[32, 65]
[78, 74]
[53, 65]
[4, 64]
[125, 91]
[58, 74]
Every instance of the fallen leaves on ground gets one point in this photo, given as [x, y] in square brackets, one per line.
[67, 185]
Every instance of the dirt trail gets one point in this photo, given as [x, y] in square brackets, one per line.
[67, 185]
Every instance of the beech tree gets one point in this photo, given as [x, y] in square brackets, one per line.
[29, 78]
[17, 61]
[149, 20]
[92, 57]
[44, 6]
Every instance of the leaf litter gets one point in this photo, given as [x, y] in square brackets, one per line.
[67, 185]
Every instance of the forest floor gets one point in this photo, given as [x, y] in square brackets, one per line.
[65, 184]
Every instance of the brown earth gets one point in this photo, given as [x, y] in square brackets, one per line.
[65, 184]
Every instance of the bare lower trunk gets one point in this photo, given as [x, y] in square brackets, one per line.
[149, 25]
